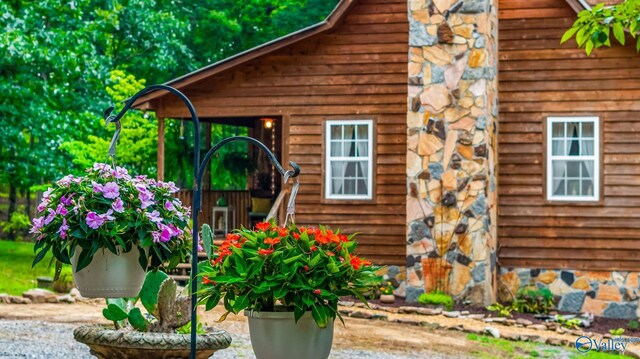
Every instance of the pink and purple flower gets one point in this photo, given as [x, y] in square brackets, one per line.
[111, 190]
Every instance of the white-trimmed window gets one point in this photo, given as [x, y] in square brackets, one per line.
[349, 159]
[573, 158]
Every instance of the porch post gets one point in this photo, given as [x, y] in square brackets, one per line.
[161, 149]
[451, 154]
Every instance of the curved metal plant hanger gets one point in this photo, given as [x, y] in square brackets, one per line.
[198, 172]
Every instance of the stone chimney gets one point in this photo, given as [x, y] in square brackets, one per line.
[452, 149]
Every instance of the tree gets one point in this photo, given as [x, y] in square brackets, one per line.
[593, 27]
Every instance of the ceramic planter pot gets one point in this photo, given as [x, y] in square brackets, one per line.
[109, 275]
[118, 344]
[275, 335]
[387, 298]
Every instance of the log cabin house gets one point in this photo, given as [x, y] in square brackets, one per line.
[473, 152]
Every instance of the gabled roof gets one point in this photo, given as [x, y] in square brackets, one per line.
[337, 15]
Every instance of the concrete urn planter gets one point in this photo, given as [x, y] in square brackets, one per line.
[387, 298]
[109, 275]
[275, 335]
[119, 344]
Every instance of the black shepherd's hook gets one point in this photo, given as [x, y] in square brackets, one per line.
[198, 173]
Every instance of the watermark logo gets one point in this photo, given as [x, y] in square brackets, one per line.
[584, 344]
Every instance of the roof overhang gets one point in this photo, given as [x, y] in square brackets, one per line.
[334, 18]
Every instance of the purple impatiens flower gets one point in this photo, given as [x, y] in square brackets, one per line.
[97, 187]
[154, 216]
[117, 205]
[169, 206]
[61, 210]
[94, 221]
[63, 229]
[145, 197]
[111, 190]
[49, 218]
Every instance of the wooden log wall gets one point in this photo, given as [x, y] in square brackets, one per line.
[356, 71]
[538, 77]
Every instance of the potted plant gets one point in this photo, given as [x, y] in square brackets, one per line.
[163, 332]
[386, 293]
[111, 227]
[288, 282]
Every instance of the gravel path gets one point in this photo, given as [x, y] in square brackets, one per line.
[37, 339]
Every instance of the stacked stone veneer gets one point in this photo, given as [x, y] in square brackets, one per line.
[451, 155]
[606, 294]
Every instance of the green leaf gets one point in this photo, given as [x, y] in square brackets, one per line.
[569, 34]
[213, 300]
[298, 312]
[114, 313]
[589, 47]
[241, 303]
[319, 314]
[41, 255]
[280, 292]
[581, 36]
[618, 32]
[143, 260]
[150, 288]
[84, 259]
[137, 320]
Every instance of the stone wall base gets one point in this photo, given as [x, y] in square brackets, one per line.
[605, 294]
[397, 276]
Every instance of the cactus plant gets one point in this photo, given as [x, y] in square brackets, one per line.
[166, 311]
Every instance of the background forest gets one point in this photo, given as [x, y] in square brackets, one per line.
[62, 63]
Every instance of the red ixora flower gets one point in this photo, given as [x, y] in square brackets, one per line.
[356, 262]
[314, 248]
[317, 291]
[305, 268]
[296, 235]
[282, 231]
[206, 280]
[271, 241]
[330, 253]
[265, 252]
[233, 236]
[263, 226]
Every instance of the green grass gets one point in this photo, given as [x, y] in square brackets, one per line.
[490, 347]
[16, 275]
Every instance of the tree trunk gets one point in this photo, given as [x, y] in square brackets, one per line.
[13, 194]
[27, 209]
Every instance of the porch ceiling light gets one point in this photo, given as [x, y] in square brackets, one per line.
[267, 122]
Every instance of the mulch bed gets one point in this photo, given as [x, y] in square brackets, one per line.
[598, 325]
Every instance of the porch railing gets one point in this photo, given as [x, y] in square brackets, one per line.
[240, 200]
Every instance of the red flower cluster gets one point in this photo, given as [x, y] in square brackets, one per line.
[206, 280]
[356, 262]
[233, 239]
[265, 252]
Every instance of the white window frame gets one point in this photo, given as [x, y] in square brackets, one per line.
[595, 158]
[328, 158]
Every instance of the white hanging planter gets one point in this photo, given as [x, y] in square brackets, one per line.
[275, 335]
[109, 275]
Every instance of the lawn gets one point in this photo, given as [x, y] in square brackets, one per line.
[16, 275]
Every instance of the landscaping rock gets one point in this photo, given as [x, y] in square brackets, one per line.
[511, 336]
[346, 304]
[537, 326]
[67, 298]
[429, 311]
[475, 316]
[523, 321]
[74, 292]
[532, 338]
[19, 300]
[632, 351]
[453, 314]
[39, 295]
[380, 316]
[4, 298]
[345, 311]
[360, 314]
[493, 331]
[554, 341]
[408, 310]
[495, 320]
[409, 321]
[430, 325]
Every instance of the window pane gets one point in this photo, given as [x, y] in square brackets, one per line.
[363, 149]
[573, 169]
[362, 186]
[587, 148]
[349, 132]
[349, 149]
[587, 169]
[557, 147]
[363, 167]
[338, 168]
[587, 188]
[351, 170]
[336, 132]
[363, 132]
[336, 186]
[558, 187]
[573, 130]
[559, 169]
[336, 149]
[573, 147]
[349, 186]
[573, 187]
[587, 129]
[558, 130]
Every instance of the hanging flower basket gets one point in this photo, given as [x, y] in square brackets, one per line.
[111, 227]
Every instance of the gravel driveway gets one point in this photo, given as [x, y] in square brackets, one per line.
[37, 339]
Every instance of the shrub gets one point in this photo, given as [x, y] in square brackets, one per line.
[436, 298]
[532, 300]
[17, 225]
[503, 310]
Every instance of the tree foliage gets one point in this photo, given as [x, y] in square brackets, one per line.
[62, 63]
[593, 28]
